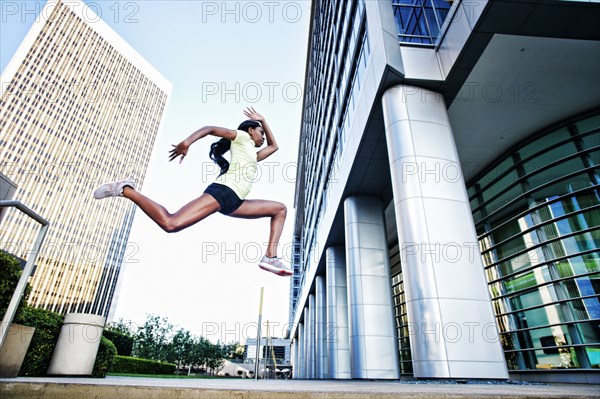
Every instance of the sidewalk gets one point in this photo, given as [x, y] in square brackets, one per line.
[154, 388]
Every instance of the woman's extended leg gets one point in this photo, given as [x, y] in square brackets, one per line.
[253, 209]
[190, 214]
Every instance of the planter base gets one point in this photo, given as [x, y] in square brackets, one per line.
[77, 345]
[14, 349]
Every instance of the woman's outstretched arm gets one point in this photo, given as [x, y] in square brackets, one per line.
[181, 149]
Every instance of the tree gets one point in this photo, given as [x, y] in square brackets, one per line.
[233, 350]
[123, 327]
[199, 352]
[215, 358]
[152, 338]
[157, 339]
[180, 348]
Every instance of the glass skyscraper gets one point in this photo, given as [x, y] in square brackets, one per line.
[448, 191]
[79, 107]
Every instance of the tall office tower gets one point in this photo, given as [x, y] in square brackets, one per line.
[448, 191]
[79, 107]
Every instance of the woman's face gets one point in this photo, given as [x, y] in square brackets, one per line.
[257, 134]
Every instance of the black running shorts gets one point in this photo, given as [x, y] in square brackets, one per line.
[225, 196]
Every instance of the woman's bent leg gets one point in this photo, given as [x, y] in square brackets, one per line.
[253, 209]
[188, 215]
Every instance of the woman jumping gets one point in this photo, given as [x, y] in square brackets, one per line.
[227, 194]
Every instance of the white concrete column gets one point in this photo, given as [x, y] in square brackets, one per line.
[338, 341]
[321, 369]
[300, 367]
[310, 334]
[294, 349]
[307, 323]
[371, 322]
[448, 304]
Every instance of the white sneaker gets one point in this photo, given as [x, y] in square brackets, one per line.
[273, 265]
[113, 189]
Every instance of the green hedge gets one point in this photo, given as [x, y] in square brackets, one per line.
[10, 273]
[134, 365]
[123, 342]
[47, 326]
[105, 358]
[47, 329]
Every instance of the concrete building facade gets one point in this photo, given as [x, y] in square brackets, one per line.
[447, 191]
[79, 107]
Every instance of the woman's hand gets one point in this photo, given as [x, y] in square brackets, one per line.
[252, 114]
[271, 142]
[180, 149]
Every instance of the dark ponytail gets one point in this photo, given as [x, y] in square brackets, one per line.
[218, 148]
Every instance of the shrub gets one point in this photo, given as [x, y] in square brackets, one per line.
[123, 342]
[47, 329]
[105, 358]
[134, 365]
[10, 273]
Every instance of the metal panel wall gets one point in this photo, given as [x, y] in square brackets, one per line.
[448, 304]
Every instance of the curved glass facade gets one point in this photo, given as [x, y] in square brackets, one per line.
[537, 215]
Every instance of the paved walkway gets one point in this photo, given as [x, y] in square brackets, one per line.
[151, 388]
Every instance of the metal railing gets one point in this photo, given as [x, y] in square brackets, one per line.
[16, 298]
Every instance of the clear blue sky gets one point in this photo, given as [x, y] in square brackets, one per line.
[220, 57]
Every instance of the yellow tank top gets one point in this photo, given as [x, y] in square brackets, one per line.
[242, 165]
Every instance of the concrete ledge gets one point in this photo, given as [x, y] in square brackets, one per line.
[155, 388]
[566, 376]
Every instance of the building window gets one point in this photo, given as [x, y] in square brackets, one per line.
[277, 351]
[420, 22]
[537, 216]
